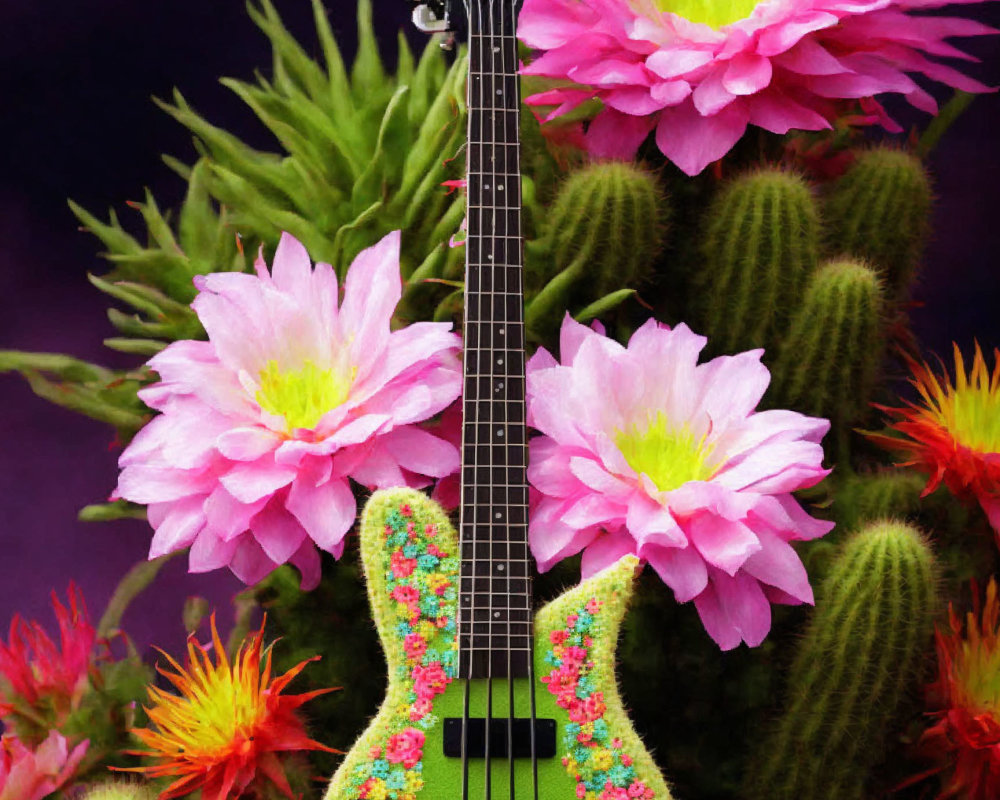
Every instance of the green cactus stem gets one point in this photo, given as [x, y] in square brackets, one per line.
[879, 212]
[861, 652]
[829, 358]
[760, 246]
[603, 231]
[876, 495]
[120, 790]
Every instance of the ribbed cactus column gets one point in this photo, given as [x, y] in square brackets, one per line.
[760, 246]
[879, 211]
[890, 492]
[605, 227]
[829, 358]
[861, 652]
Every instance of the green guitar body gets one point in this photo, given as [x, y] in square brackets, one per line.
[410, 554]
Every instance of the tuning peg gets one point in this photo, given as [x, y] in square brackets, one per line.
[431, 17]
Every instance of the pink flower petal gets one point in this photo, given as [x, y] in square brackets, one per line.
[326, 512]
[681, 568]
[605, 551]
[734, 610]
[250, 481]
[209, 552]
[747, 74]
[551, 539]
[726, 544]
[692, 141]
[249, 562]
[226, 516]
[247, 444]
[422, 452]
[778, 565]
[278, 533]
[615, 135]
[371, 292]
[306, 561]
[179, 527]
[674, 62]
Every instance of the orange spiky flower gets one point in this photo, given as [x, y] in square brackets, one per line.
[954, 435]
[965, 740]
[223, 732]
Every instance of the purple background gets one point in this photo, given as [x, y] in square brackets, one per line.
[75, 82]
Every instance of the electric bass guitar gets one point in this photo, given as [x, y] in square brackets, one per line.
[485, 699]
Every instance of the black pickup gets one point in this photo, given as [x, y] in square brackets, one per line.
[545, 738]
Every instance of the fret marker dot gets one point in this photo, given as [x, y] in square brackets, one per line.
[496, 615]
[499, 515]
[499, 91]
[496, 49]
[500, 361]
[499, 567]
[499, 434]
[501, 331]
[500, 188]
[487, 186]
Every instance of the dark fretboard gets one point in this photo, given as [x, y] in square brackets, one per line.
[495, 599]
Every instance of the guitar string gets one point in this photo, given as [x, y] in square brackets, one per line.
[491, 257]
[469, 598]
[505, 172]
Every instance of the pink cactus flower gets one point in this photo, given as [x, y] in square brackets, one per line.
[405, 748]
[700, 72]
[27, 774]
[647, 452]
[37, 673]
[263, 425]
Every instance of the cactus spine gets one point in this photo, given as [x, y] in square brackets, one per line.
[604, 229]
[760, 246]
[829, 358]
[861, 652]
[878, 211]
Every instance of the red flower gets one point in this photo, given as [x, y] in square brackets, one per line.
[954, 435]
[405, 748]
[39, 676]
[223, 732]
[965, 740]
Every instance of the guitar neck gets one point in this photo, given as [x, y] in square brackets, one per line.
[495, 597]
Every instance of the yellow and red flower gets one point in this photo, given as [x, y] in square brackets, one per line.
[40, 680]
[223, 732]
[965, 739]
[954, 435]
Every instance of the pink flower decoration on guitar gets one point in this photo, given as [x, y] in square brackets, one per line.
[699, 72]
[406, 748]
[263, 425]
[645, 451]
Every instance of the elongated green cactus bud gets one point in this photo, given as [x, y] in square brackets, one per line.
[829, 358]
[604, 230]
[879, 211]
[760, 247]
[862, 651]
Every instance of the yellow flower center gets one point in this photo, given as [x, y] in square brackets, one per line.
[971, 409]
[977, 662]
[714, 13]
[670, 456]
[303, 395]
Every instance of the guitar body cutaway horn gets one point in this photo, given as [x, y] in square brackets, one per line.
[585, 745]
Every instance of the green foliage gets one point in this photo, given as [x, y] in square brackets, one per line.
[879, 212]
[603, 230]
[829, 358]
[760, 246]
[861, 653]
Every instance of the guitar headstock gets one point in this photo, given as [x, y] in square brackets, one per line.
[449, 17]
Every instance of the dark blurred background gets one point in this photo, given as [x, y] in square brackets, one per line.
[76, 121]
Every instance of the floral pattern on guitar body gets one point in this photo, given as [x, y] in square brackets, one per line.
[594, 758]
[423, 584]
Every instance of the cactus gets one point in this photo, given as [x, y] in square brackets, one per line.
[829, 358]
[605, 227]
[119, 790]
[861, 652]
[760, 247]
[889, 492]
[879, 211]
